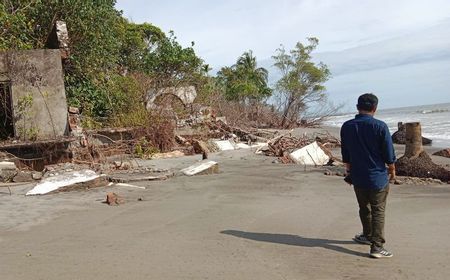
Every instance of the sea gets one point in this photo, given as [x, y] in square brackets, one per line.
[434, 119]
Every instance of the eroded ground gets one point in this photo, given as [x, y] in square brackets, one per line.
[254, 220]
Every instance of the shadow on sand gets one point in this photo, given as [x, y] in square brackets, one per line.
[295, 240]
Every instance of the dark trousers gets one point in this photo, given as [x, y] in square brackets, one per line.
[372, 205]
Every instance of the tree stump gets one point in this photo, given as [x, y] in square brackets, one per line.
[416, 162]
[413, 140]
[399, 136]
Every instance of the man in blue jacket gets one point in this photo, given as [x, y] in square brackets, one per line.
[369, 157]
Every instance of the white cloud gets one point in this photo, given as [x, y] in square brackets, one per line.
[384, 46]
[224, 29]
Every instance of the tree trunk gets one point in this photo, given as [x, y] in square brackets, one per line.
[413, 140]
[286, 113]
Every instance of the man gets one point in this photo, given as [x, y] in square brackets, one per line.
[366, 150]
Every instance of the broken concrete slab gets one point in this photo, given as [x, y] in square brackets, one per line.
[23, 177]
[129, 186]
[262, 149]
[245, 146]
[202, 168]
[174, 154]
[242, 146]
[311, 154]
[225, 145]
[67, 180]
[136, 177]
[7, 175]
[7, 165]
[36, 175]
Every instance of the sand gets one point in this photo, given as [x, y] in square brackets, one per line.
[254, 220]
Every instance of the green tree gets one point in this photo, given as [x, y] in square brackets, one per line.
[106, 50]
[245, 81]
[170, 64]
[301, 83]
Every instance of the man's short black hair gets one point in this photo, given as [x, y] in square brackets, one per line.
[367, 102]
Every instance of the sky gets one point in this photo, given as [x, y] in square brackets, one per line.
[399, 50]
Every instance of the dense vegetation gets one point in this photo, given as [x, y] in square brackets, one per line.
[114, 63]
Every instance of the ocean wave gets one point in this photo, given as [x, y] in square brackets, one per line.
[432, 111]
[436, 136]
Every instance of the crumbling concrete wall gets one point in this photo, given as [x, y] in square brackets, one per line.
[37, 87]
[187, 95]
[59, 39]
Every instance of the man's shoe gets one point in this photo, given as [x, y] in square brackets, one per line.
[379, 253]
[361, 238]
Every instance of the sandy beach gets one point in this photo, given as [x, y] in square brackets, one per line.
[255, 220]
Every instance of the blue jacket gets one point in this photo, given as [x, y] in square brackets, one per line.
[367, 146]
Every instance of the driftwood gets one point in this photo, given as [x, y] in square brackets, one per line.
[241, 133]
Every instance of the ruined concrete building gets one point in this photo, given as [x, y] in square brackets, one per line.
[186, 95]
[32, 96]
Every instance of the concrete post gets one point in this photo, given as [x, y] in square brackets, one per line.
[413, 140]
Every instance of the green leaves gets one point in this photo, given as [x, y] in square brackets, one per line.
[105, 47]
[244, 80]
[301, 83]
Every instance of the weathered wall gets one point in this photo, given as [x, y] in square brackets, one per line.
[39, 74]
[187, 95]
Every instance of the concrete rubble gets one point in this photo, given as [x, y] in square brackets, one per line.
[67, 180]
[7, 171]
[201, 168]
[225, 145]
[311, 154]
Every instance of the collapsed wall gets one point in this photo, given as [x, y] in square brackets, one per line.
[36, 87]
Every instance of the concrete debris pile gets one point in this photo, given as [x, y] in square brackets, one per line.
[304, 150]
[10, 173]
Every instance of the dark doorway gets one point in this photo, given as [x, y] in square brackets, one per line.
[6, 112]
